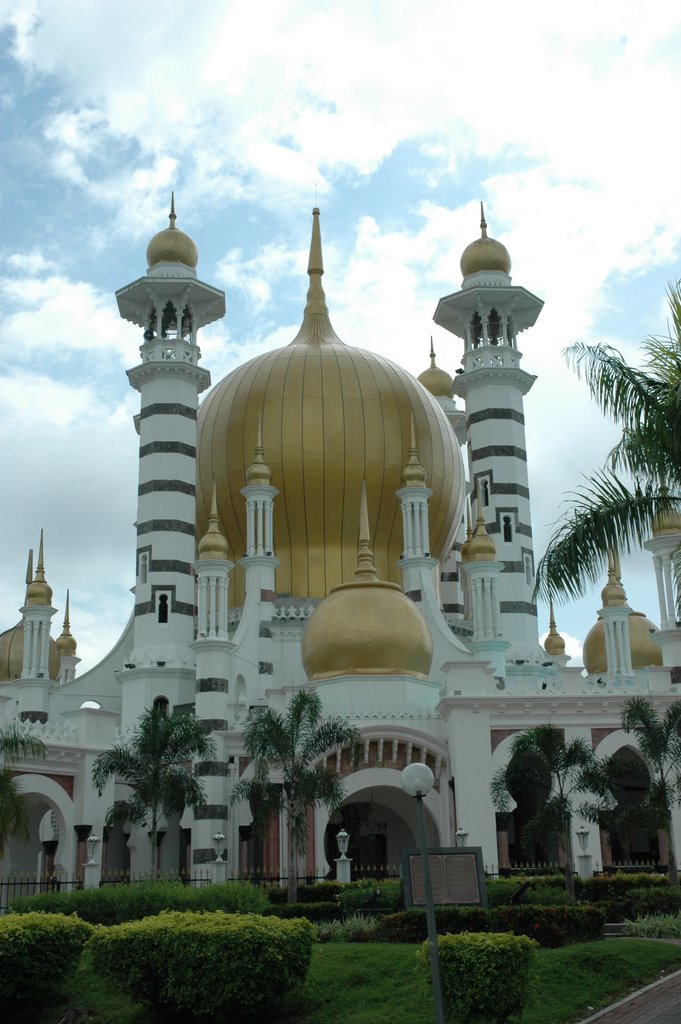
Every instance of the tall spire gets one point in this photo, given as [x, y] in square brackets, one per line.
[613, 593]
[483, 222]
[483, 548]
[259, 472]
[66, 642]
[365, 571]
[173, 216]
[213, 544]
[413, 474]
[29, 570]
[316, 300]
[39, 591]
[554, 643]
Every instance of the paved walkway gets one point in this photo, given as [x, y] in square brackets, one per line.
[659, 1003]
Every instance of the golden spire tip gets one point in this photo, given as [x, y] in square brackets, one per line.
[316, 300]
[432, 352]
[483, 222]
[173, 215]
[67, 612]
[29, 567]
[40, 571]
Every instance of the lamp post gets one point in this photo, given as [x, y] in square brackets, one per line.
[91, 869]
[92, 844]
[417, 781]
[218, 867]
[219, 845]
[343, 862]
[461, 837]
[583, 858]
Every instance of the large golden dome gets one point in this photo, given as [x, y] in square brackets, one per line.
[644, 652]
[332, 416]
[366, 627]
[12, 655]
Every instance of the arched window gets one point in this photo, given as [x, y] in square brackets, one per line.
[494, 328]
[485, 492]
[508, 529]
[163, 608]
[143, 568]
[161, 704]
[528, 569]
[169, 321]
[476, 330]
[186, 322]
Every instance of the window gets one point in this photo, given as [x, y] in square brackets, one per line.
[485, 492]
[163, 608]
[507, 529]
[143, 568]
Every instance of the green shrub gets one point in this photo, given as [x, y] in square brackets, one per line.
[311, 911]
[500, 890]
[546, 896]
[193, 964]
[410, 925]
[654, 900]
[612, 887]
[549, 926]
[372, 894]
[660, 926]
[38, 952]
[320, 892]
[485, 978]
[114, 904]
[355, 928]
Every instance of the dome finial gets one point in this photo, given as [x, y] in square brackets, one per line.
[316, 299]
[66, 643]
[213, 544]
[432, 354]
[483, 548]
[259, 472]
[39, 591]
[613, 593]
[29, 570]
[173, 216]
[413, 474]
[365, 571]
[554, 643]
[435, 380]
[483, 222]
[485, 253]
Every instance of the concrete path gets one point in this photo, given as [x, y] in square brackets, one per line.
[659, 1003]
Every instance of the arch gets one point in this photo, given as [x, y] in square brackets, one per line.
[507, 529]
[42, 794]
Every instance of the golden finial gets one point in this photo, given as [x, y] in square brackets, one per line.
[365, 571]
[432, 353]
[66, 643]
[316, 299]
[554, 643]
[483, 548]
[483, 222]
[413, 474]
[173, 216]
[213, 544]
[29, 570]
[613, 594]
[259, 472]
[39, 591]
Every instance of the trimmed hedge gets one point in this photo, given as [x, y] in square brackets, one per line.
[320, 892]
[193, 964]
[310, 911]
[485, 978]
[38, 952]
[115, 904]
[612, 887]
[372, 894]
[549, 926]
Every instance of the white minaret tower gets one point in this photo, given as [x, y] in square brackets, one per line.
[662, 545]
[489, 313]
[413, 498]
[35, 683]
[615, 614]
[170, 304]
[483, 572]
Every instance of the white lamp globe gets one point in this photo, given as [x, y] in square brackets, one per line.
[417, 779]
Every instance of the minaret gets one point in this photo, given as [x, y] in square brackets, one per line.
[662, 546]
[482, 571]
[67, 646]
[488, 313]
[212, 648]
[413, 498]
[170, 304]
[37, 613]
[615, 614]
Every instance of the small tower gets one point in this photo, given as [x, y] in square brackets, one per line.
[489, 312]
[414, 497]
[66, 643]
[662, 546]
[607, 647]
[170, 305]
[36, 614]
[482, 571]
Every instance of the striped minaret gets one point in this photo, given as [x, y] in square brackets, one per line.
[489, 313]
[170, 304]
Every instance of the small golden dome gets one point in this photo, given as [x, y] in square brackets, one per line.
[435, 380]
[172, 245]
[259, 472]
[644, 652]
[367, 627]
[668, 522]
[485, 253]
[613, 594]
[413, 474]
[39, 590]
[66, 643]
[482, 547]
[213, 544]
[554, 643]
[12, 655]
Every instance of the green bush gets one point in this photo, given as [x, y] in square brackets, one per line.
[193, 964]
[320, 892]
[546, 896]
[311, 911]
[485, 978]
[37, 953]
[500, 890]
[660, 926]
[355, 928]
[372, 894]
[612, 887]
[410, 925]
[115, 904]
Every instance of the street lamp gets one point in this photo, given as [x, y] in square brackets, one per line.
[219, 844]
[92, 844]
[417, 781]
[461, 837]
[343, 839]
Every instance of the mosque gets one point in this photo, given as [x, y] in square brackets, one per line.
[311, 524]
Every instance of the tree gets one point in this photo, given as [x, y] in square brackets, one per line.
[156, 762]
[288, 777]
[13, 746]
[610, 513]
[541, 757]
[659, 740]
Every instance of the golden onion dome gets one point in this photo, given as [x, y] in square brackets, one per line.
[172, 245]
[667, 522]
[413, 474]
[644, 652]
[485, 253]
[66, 643]
[332, 416]
[435, 380]
[213, 544]
[12, 655]
[554, 643]
[367, 627]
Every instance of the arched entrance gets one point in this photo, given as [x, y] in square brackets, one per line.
[49, 845]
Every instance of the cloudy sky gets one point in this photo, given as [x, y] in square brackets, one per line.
[398, 117]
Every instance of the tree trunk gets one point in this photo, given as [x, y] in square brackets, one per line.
[672, 867]
[569, 870]
[152, 839]
[292, 881]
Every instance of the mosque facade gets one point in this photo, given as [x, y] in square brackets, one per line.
[313, 523]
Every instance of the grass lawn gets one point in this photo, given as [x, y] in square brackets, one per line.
[378, 984]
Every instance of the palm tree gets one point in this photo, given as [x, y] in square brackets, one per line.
[156, 762]
[13, 746]
[541, 757]
[287, 774]
[609, 513]
[659, 740]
